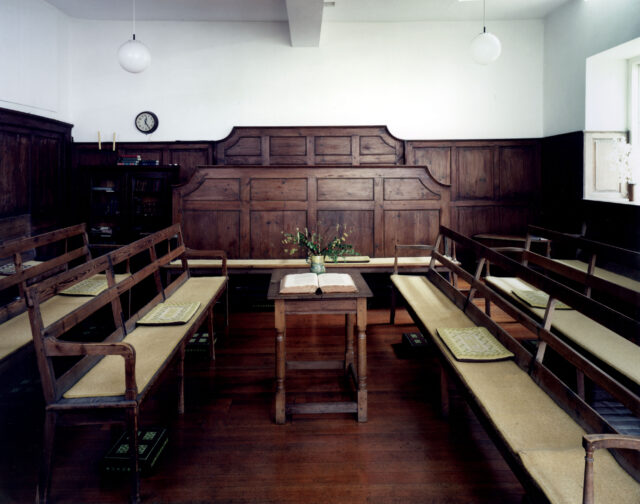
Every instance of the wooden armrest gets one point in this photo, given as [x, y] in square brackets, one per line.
[593, 442]
[55, 347]
[208, 254]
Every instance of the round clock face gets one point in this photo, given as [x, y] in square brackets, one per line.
[147, 122]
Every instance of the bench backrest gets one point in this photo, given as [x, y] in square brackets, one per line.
[594, 249]
[63, 248]
[535, 365]
[151, 253]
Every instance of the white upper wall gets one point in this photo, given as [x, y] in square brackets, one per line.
[417, 78]
[574, 32]
[34, 55]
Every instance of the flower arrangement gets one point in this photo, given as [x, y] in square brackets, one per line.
[620, 160]
[332, 246]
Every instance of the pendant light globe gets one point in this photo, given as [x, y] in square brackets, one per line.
[486, 48]
[134, 56]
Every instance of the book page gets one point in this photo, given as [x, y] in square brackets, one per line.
[336, 282]
[300, 283]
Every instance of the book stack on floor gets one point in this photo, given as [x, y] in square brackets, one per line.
[151, 444]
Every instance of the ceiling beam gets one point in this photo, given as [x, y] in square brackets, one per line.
[305, 21]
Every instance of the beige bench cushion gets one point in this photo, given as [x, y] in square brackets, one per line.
[16, 332]
[611, 348]
[607, 275]
[153, 345]
[521, 411]
[560, 474]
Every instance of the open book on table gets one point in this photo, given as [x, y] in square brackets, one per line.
[308, 283]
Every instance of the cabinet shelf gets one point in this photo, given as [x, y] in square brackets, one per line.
[128, 202]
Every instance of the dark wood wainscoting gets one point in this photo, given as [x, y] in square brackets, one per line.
[188, 155]
[328, 145]
[34, 169]
[245, 209]
[563, 207]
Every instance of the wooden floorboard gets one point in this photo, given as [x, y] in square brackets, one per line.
[227, 449]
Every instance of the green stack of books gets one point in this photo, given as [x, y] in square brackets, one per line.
[151, 444]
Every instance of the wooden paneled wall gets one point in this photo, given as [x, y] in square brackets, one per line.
[34, 169]
[270, 180]
[188, 155]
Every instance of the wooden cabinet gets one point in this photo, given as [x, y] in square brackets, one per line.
[128, 202]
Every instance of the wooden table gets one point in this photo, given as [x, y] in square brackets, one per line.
[353, 305]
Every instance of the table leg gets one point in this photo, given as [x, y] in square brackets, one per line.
[361, 322]
[348, 343]
[281, 360]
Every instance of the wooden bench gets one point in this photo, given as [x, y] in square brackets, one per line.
[537, 421]
[114, 372]
[594, 252]
[26, 261]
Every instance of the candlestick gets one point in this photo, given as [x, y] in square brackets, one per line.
[114, 141]
[99, 142]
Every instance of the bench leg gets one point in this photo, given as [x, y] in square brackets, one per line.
[444, 393]
[392, 311]
[44, 478]
[132, 425]
[212, 348]
[183, 346]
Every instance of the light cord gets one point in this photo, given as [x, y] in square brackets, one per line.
[134, 19]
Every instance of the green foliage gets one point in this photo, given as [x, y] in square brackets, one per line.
[332, 246]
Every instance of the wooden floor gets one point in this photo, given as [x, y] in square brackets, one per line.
[227, 449]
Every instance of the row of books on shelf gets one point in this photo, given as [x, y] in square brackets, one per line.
[136, 161]
[148, 208]
[111, 207]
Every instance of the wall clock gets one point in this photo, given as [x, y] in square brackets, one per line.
[147, 122]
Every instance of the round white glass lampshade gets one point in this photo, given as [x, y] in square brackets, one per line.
[486, 48]
[134, 56]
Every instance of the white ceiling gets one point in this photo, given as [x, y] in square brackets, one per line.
[276, 10]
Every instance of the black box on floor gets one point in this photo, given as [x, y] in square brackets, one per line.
[414, 340]
[151, 444]
[199, 343]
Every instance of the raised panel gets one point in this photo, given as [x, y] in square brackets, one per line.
[14, 167]
[332, 189]
[217, 190]
[438, 161]
[213, 230]
[287, 146]
[47, 180]
[188, 160]
[245, 146]
[518, 178]
[267, 228]
[358, 223]
[407, 189]
[475, 173]
[278, 189]
[410, 227]
[375, 145]
[332, 145]
[476, 219]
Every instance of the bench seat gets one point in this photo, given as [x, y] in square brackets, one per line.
[541, 437]
[522, 412]
[153, 345]
[607, 275]
[611, 348]
[16, 331]
[560, 474]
